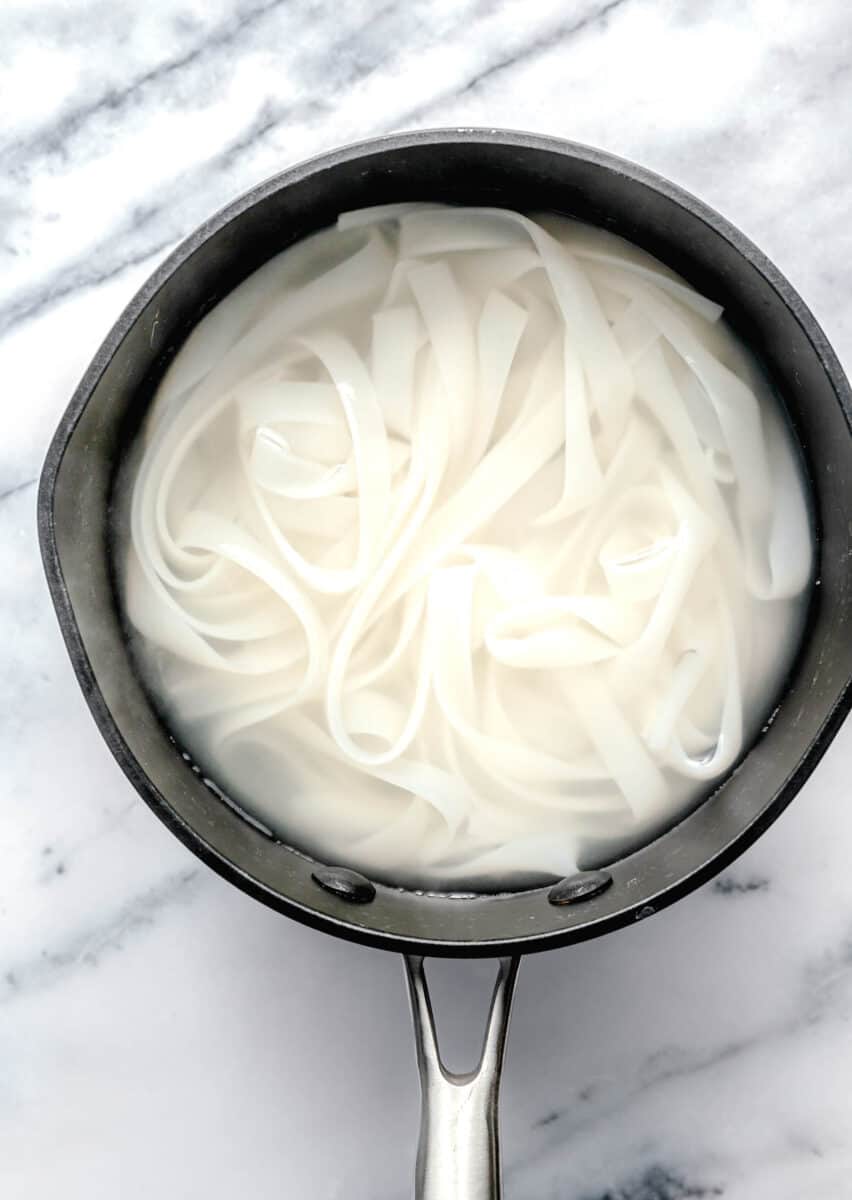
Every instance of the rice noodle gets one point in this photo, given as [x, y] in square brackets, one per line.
[464, 546]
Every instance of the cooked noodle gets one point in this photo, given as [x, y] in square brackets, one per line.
[462, 543]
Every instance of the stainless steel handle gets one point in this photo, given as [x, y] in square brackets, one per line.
[458, 1157]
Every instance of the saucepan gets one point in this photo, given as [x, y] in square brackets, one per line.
[459, 1149]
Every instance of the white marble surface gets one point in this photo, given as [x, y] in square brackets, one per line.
[160, 1033]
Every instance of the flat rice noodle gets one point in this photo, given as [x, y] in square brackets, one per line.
[448, 539]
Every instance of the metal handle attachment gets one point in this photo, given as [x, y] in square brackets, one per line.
[458, 1157]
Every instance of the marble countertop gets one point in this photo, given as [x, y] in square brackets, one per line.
[160, 1033]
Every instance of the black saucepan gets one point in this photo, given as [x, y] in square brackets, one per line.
[459, 1150]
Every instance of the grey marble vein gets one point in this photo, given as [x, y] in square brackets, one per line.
[730, 885]
[16, 488]
[90, 944]
[555, 36]
[658, 1183]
